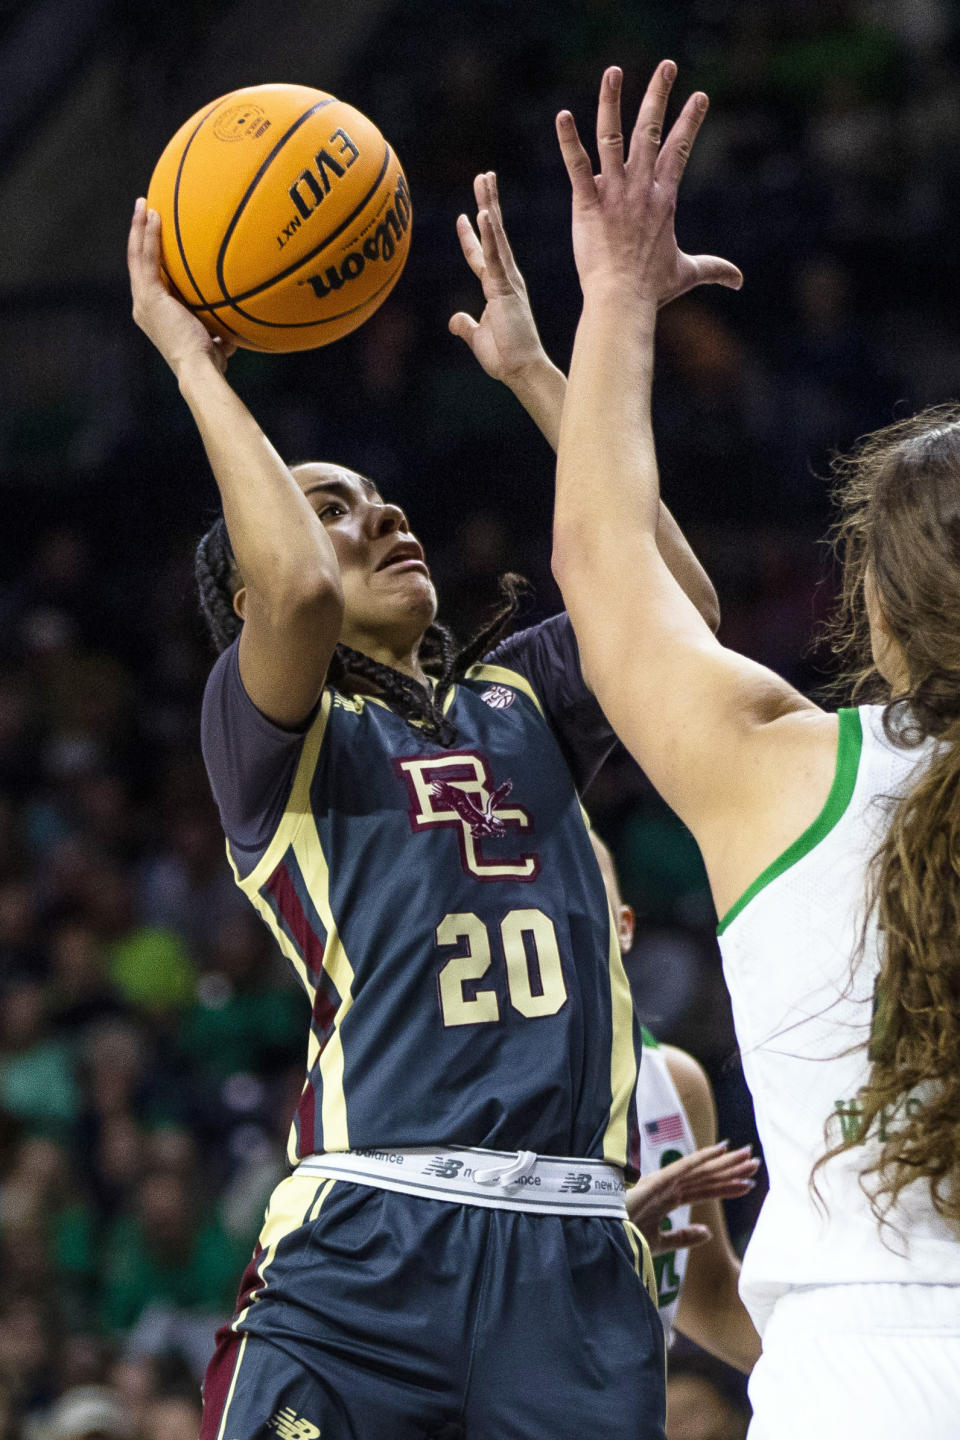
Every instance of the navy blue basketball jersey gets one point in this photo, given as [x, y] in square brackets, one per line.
[442, 908]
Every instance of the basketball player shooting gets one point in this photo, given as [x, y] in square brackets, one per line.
[403, 814]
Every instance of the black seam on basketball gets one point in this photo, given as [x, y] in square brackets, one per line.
[323, 320]
[176, 195]
[320, 105]
[199, 310]
[232, 300]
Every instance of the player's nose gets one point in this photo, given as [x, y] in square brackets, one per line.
[384, 519]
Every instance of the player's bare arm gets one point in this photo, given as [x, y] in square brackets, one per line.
[506, 343]
[710, 1311]
[291, 597]
[717, 734]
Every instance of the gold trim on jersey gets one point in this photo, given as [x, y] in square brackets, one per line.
[642, 1258]
[297, 830]
[296, 1201]
[298, 806]
[233, 1385]
[356, 702]
[623, 1059]
[333, 1101]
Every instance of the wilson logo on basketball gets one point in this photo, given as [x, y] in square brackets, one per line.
[380, 244]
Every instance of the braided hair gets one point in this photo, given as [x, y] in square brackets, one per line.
[218, 578]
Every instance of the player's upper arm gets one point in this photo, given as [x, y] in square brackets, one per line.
[710, 727]
[287, 643]
[250, 761]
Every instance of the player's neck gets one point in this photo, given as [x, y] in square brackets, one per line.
[405, 659]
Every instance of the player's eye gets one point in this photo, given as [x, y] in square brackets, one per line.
[331, 511]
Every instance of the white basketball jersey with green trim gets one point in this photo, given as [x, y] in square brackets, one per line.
[665, 1135]
[803, 1015]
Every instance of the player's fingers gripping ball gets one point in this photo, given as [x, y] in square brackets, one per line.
[285, 216]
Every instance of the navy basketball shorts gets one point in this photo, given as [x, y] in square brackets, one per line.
[371, 1314]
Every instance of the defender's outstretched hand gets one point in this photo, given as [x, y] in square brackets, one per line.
[177, 334]
[504, 339]
[713, 1173]
[623, 217]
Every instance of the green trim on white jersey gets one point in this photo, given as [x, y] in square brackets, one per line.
[849, 743]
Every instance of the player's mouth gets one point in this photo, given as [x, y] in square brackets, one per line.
[405, 555]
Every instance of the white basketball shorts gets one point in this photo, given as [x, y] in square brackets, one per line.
[842, 1362]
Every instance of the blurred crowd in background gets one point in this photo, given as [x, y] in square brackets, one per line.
[152, 1044]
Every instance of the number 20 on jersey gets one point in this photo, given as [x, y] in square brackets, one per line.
[534, 974]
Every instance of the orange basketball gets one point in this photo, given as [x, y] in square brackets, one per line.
[285, 216]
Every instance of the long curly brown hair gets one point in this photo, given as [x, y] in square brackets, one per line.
[899, 498]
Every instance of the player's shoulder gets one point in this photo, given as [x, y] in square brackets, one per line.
[544, 654]
[498, 685]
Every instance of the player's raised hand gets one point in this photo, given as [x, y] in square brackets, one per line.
[712, 1173]
[177, 334]
[623, 218]
[505, 339]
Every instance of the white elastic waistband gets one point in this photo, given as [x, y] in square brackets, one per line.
[493, 1179]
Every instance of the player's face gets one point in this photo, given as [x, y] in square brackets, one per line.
[387, 591]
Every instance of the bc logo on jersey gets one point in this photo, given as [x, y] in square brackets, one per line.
[457, 790]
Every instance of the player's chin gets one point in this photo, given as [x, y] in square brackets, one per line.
[410, 579]
[410, 594]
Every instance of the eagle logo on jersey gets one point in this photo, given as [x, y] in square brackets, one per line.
[481, 822]
[458, 791]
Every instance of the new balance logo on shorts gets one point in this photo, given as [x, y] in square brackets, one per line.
[446, 1169]
[576, 1184]
[292, 1427]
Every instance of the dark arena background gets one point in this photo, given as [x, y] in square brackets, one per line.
[151, 1043]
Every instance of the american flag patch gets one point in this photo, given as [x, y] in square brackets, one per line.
[668, 1127]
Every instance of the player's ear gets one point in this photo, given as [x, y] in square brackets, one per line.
[626, 925]
[240, 602]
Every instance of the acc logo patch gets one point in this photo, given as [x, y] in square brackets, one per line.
[498, 697]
